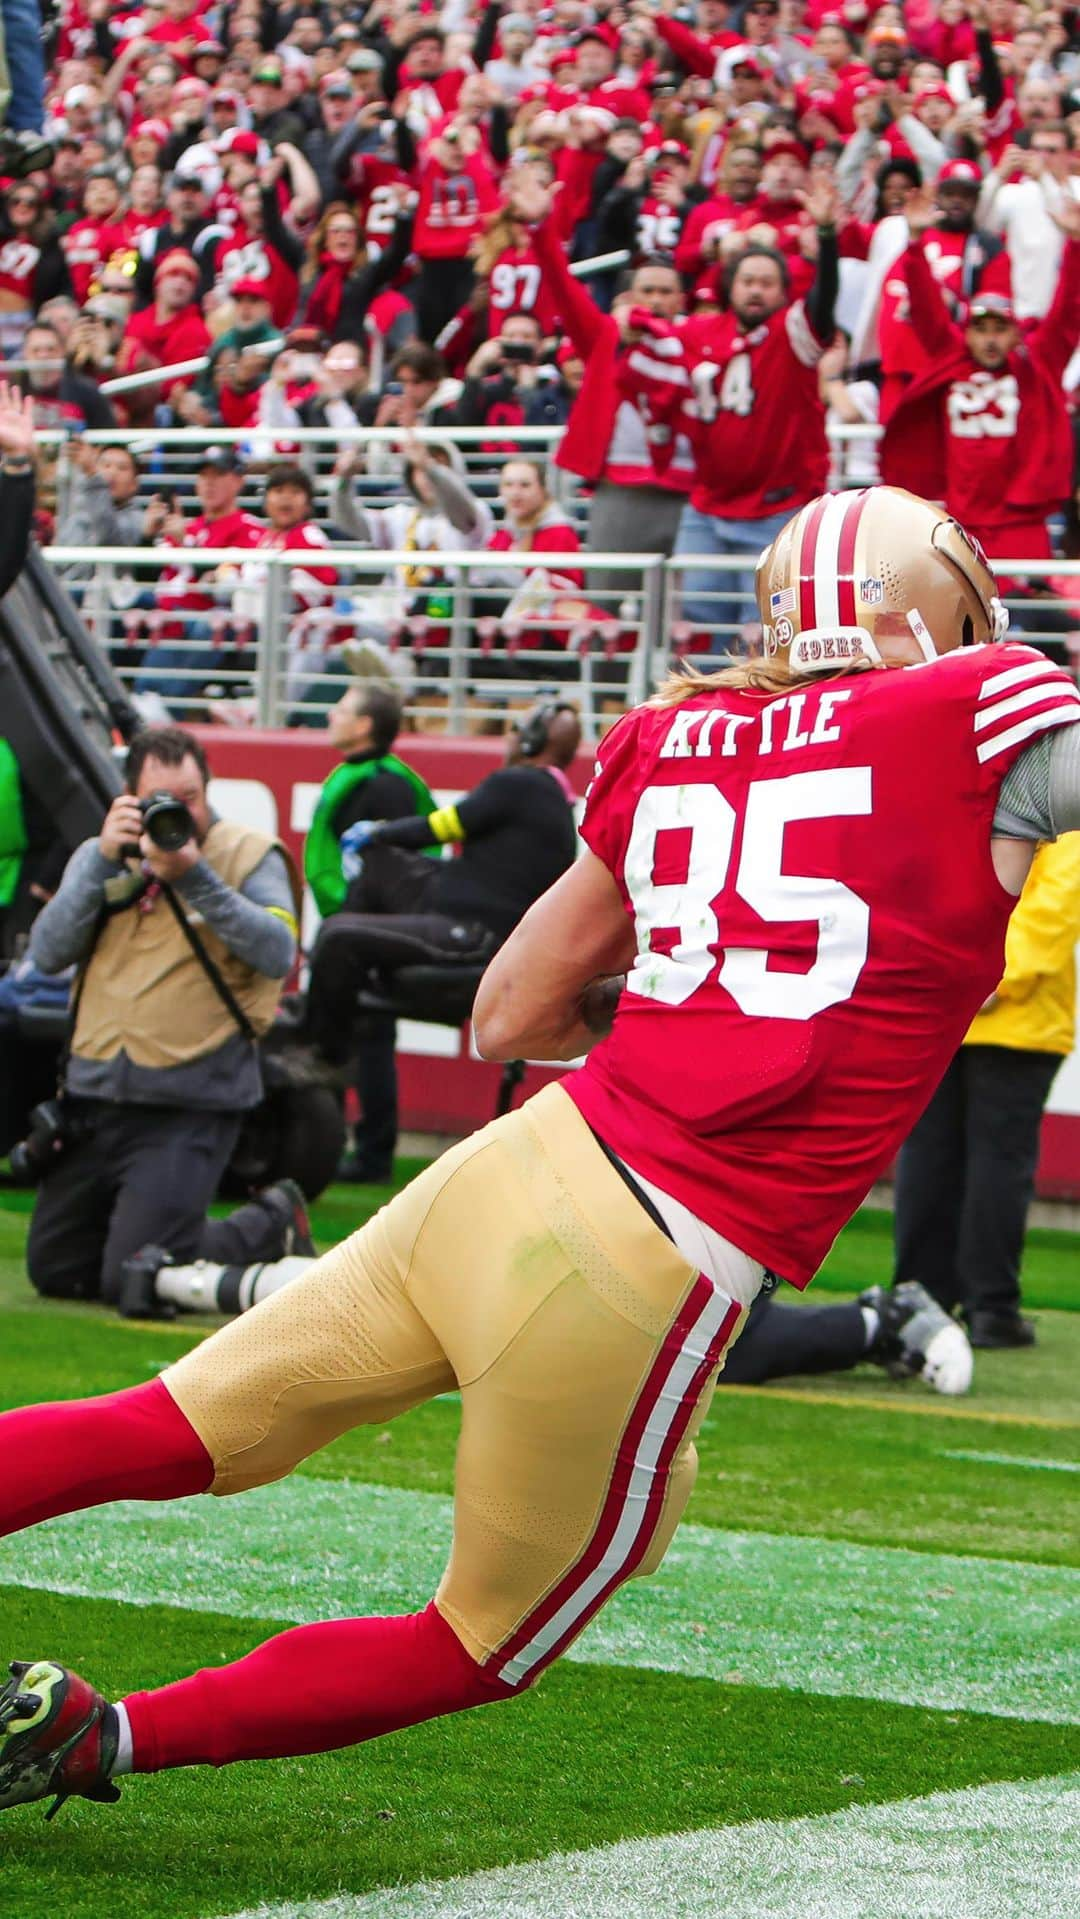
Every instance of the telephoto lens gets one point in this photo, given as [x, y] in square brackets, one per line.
[167, 821]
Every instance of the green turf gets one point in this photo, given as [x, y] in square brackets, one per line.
[588, 1757]
[597, 1753]
[862, 1256]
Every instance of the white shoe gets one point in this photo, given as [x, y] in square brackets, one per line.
[915, 1335]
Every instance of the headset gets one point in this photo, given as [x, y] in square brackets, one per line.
[532, 730]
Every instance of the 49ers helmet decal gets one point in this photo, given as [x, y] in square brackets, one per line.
[875, 577]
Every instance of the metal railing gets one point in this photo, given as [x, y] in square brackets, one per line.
[170, 457]
[271, 638]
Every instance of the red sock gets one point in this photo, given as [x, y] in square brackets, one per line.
[82, 1452]
[310, 1690]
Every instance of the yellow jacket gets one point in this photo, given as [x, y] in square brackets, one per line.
[1035, 1007]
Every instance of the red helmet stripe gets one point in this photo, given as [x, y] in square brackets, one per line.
[845, 557]
[808, 551]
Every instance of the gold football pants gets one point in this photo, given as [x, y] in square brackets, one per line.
[522, 1269]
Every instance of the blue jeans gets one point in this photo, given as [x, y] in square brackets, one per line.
[707, 533]
[26, 64]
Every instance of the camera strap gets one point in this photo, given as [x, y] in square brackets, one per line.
[213, 973]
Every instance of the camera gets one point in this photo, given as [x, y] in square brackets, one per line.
[167, 821]
[52, 1131]
[518, 352]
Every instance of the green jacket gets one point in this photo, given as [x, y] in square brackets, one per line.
[322, 849]
[12, 825]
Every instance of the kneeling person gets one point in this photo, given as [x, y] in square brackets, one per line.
[163, 1061]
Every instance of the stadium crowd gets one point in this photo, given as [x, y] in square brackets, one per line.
[861, 215]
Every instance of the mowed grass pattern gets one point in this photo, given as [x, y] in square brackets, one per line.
[825, 1640]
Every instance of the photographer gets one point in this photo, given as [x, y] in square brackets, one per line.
[501, 377]
[183, 925]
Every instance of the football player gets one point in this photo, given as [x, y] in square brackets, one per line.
[804, 867]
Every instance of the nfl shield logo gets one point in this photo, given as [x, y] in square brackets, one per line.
[871, 591]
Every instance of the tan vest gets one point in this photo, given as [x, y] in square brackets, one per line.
[145, 992]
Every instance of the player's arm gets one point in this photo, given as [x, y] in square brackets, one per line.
[545, 994]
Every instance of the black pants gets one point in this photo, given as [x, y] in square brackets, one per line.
[965, 1177]
[138, 1176]
[441, 287]
[390, 927]
[780, 1340]
[376, 1086]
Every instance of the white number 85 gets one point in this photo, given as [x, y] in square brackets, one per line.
[843, 919]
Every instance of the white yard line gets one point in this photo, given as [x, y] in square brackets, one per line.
[952, 1855]
[817, 1615]
[1017, 1459]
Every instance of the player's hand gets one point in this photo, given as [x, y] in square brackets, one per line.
[599, 1003]
[16, 422]
[353, 841]
[122, 828]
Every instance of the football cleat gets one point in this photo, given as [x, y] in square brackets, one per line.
[285, 1200]
[57, 1735]
[916, 1336]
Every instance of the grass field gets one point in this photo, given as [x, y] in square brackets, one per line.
[853, 1692]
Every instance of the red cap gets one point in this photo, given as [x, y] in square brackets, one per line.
[996, 303]
[965, 173]
[785, 145]
[238, 140]
[868, 89]
[567, 351]
[176, 261]
[748, 64]
[158, 130]
[191, 89]
[675, 149]
[249, 288]
[607, 36]
[935, 92]
[564, 58]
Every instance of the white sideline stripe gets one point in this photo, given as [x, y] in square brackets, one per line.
[1018, 703]
[1041, 723]
[668, 1408]
[1017, 1459]
[821, 1616]
[1006, 1851]
[1016, 675]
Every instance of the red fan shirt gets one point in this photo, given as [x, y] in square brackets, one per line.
[816, 924]
[756, 422]
[244, 258]
[516, 284]
[451, 208]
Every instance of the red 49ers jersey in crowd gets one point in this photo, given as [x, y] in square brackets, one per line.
[757, 424]
[818, 919]
[516, 284]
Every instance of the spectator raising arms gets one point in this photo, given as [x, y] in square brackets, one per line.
[986, 426]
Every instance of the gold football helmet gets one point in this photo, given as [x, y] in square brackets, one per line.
[875, 577]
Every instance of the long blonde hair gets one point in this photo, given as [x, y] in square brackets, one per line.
[749, 676]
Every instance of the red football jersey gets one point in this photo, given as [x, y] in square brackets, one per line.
[757, 423]
[516, 285]
[818, 919]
